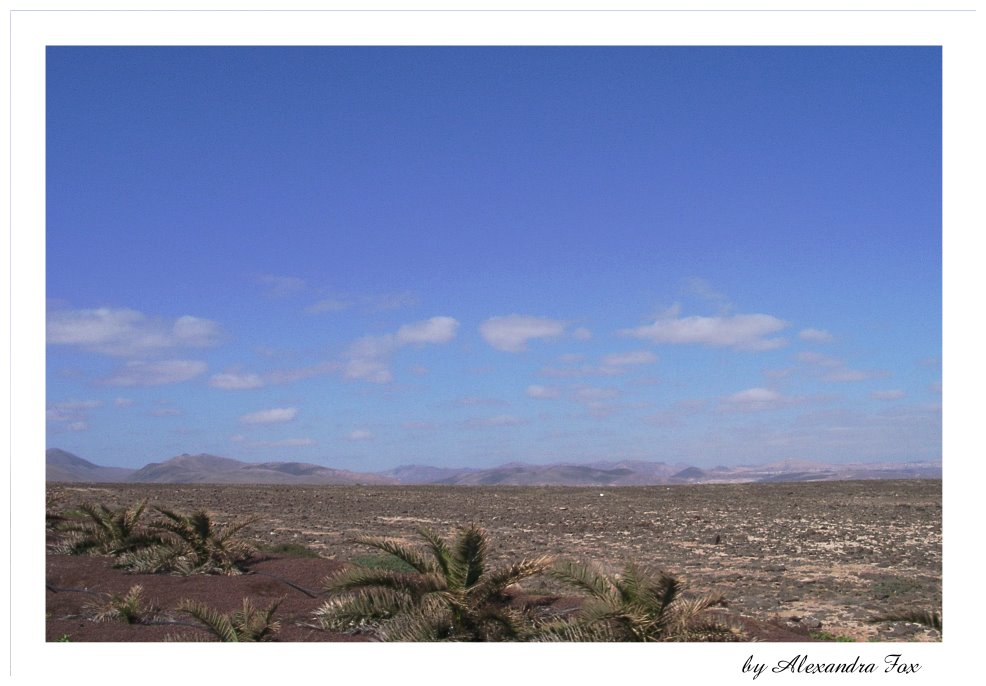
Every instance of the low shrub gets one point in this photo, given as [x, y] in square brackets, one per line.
[248, 624]
[448, 594]
[129, 608]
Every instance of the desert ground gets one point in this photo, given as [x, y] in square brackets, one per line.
[794, 561]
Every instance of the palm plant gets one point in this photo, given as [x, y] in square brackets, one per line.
[99, 530]
[52, 518]
[247, 624]
[129, 608]
[449, 595]
[191, 544]
[637, 605]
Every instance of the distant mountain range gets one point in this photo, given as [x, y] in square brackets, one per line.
[63, 466]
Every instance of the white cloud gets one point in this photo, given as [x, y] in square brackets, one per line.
[391, 301]
[159, 373]
[677, 414]
[370, 303]
[167, 412]
[124, 402]
[581, 370]
[895, 394]
[835, 370]
[497, 420]
[629, 358]
[282, 286]
[477, 401]
[754, 395]
[194, 332]
[434, 330]
[290, 443]
[597, 401]
[360, 435]
[590, 395]
[740, 331]
[329, 305]
[812, 357]
[845, 374]
[610, 365]
[71, 410]
[275, 415]
[77, 426]
[543, 392]
[231, 381]
[369, 358]
[703, 289]
[128, 333]
[815, 335]
[78, 404]
[755, 400]
[512, 332]
[581, 334]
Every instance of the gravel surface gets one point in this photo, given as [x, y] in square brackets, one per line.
[821, 558]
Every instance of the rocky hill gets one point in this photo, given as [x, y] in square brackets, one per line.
[189, 469]
[64, 466]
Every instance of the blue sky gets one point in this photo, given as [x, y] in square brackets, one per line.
[366, 257]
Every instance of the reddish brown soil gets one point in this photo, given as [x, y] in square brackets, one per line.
[78, 585]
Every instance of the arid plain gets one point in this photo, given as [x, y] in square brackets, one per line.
[821, 559]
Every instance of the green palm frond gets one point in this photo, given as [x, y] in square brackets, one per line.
[687, 609]
[585, 578]
[98, 529]
[469, 557]
[215, 622]
[247, 624]
[129, 608]
[150, 560]
[496, 623]
[252, 624]
[362, 610]
[496, 582]
[439, 550]
[420, 626]
[398, 549]
[577, 632]
[414, 585]
[638, 605]
[451, 596]
[667, 590]
[198, 545]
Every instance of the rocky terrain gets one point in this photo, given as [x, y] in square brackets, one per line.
[819, 558]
